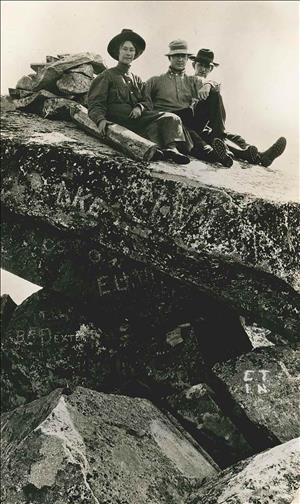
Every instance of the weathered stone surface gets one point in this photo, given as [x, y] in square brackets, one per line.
[59, 108]
[7, 308]
[74, 83]
[272, 477]
[88, 447]
[51, 59]
[197, 408]
[19, 93]
[26, 82]
[49, 343]
[48, 77]
[265, 383]
[37, 67]
[235, 246]
[83, 69]
[115, 288]
[34, 102]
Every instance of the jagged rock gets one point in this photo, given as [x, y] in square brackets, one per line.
[37, 67]
[115, 288]
[87, 447]
[156, 214]
[265, 384]
[51, 59]
[74, 83]
[7, 308]
[26, 82]
[259, 336]
[83, 69]
[197, 409]
[48, 344]
[59, 108]
[34, 102]
[272, 477]
[48, 77]
[19, 93]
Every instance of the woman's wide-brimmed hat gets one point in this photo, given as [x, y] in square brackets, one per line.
[178, 47]
[114, 45]
[205, 56]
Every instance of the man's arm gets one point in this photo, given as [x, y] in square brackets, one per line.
[97, 97]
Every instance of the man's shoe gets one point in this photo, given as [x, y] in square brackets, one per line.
[268, 156]
[158, 155]
[222, 153]
[176, 156]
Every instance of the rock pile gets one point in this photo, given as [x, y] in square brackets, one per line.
[57, 86]
[58, 90]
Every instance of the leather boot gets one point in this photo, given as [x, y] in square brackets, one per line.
[267, 157]
[222, 153]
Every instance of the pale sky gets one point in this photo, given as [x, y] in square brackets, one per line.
[256, 44]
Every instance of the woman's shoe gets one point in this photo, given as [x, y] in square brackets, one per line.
[222, 153]
[176, 156]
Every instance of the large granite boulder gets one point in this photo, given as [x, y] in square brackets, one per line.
[198, 228]
[272, 477]
[88, 447]
[265, 383]
[50, 343]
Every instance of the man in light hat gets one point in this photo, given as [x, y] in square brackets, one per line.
[192, 99]
[203, 64]
[117, 95]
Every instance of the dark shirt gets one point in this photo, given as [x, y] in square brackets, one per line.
[114, 93]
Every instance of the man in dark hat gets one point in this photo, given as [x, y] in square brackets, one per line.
[193, 100]
[117, 95]
[203, 64]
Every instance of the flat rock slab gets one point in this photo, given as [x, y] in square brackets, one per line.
[89, 447]
[237, 246]
[265, 383]
[272, 477]
[7, 308]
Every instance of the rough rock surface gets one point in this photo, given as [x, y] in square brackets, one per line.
[272, 477]
[50, 343]
[7, 308]
[114, 287]
[265, 383]
[74, 83]
[236, 246]
[88, 447]
[197, 407]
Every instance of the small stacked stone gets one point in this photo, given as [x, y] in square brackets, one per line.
[58, 86]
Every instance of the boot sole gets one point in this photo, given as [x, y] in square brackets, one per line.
[221, 153]
[274, 152]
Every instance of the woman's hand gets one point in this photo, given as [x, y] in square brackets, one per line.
[102, 127]
[204, 91]
[135, 113]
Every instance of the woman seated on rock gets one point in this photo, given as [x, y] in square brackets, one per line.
[117, 95]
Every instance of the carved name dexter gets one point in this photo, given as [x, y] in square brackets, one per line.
[86, 203]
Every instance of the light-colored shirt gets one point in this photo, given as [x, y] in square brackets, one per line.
[172, 91]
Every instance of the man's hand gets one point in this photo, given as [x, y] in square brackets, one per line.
[204, 91]
[135, 113]
[102, 127]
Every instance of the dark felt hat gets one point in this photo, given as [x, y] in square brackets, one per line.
[205, 56]
[114, 45]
